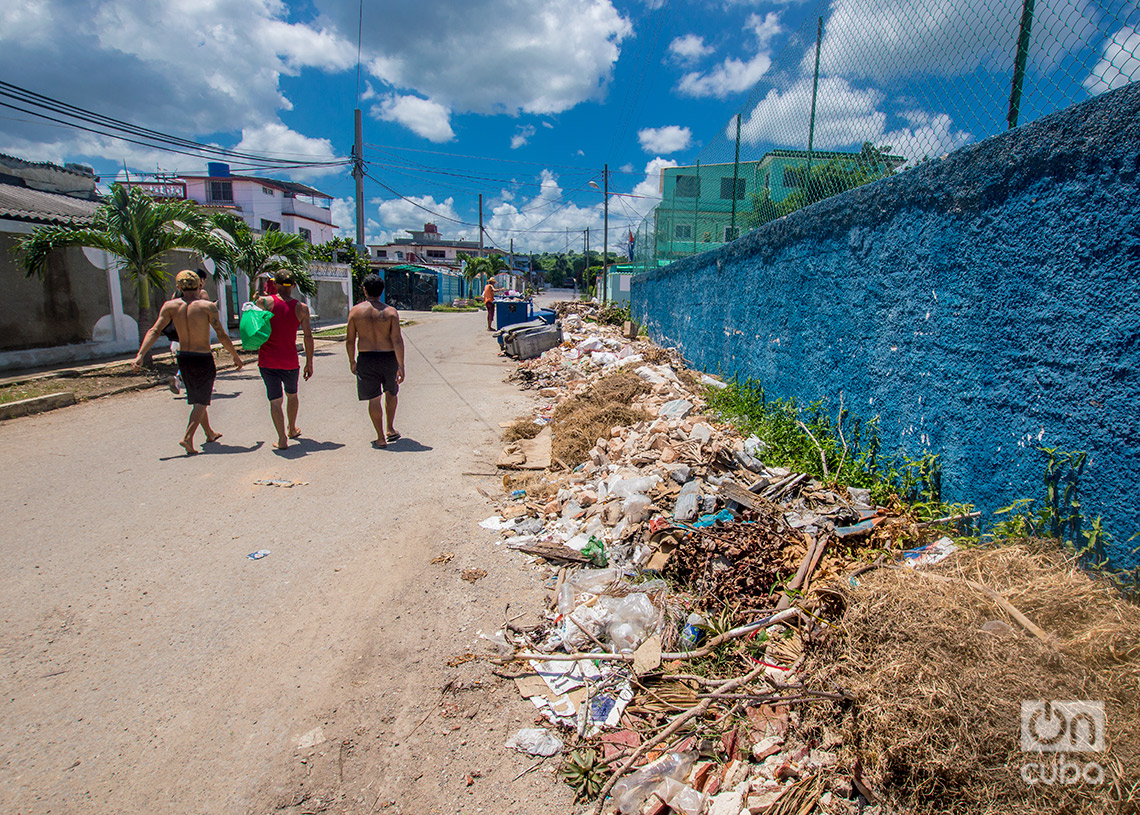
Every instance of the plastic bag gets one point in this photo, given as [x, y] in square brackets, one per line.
[630, 792]
[254, 326]
[535, 741]
[636, 508]
[634, 619]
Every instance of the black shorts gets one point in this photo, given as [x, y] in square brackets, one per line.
[198, 374]
[376, 372]
[278, 380]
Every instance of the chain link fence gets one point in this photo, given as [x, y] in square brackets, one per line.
[868, 88]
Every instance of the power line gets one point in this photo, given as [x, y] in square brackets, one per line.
[110, 127]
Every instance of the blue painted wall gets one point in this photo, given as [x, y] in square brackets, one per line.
[981, 305]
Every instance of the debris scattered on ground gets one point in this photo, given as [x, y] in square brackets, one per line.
[726, 636]
[446, 557]
[279, 482]
[258, 555]
[471, 575]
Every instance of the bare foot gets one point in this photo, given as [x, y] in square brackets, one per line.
[379, 444]
[294, 433]
[188, 446]
[214, 437]
[282, 444]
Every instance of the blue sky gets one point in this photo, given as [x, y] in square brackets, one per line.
[525, 102]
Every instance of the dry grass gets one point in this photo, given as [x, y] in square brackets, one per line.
[523, 428]
[936, 724]
[582, 419]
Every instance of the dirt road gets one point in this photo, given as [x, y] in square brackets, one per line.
[148, 666]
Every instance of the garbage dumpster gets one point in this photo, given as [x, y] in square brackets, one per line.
[509, 312]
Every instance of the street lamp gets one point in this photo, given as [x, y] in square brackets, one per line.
[605, 229]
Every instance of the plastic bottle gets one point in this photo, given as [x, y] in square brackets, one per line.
[692, 633]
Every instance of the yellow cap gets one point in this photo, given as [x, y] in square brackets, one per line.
[187, 279]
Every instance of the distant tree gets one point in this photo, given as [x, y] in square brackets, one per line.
[133, 228]
[232, 243]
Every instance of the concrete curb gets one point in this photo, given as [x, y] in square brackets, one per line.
[37, 404]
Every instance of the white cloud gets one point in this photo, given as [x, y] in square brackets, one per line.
[668, 139]
[548, 125]
[735, 75]
[844, 116]
[522, 135]
[192, 67]
[414, 211]
[945, 37]
[689, 48]
[928, 136]
[276, 140]
[344, 216]
[478, 56]
[422, 116]
[1119, 63]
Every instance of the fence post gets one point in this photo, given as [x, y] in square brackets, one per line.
[1019, 63]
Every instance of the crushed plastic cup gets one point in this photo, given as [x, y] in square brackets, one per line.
[258, 555]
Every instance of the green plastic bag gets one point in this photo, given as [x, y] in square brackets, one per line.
[254, 327]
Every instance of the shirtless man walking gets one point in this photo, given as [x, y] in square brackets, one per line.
[192, 319]
[374, 326]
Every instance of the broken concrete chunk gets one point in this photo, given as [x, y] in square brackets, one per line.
[675, 409]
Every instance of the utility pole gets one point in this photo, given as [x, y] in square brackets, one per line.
[586, 258]
[605, 232]
[480, 224]
[735, 175]
[358, 175]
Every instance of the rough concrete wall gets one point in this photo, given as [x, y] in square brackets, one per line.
[59, 309]
[982, 305]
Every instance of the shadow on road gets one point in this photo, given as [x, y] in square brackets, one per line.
[216, 448]
[302, 447]
[406, 445]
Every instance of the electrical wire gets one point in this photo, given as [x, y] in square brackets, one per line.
[107, 126]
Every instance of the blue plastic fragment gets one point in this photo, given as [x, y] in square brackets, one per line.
[724, 516]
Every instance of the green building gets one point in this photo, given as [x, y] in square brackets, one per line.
[706, 205]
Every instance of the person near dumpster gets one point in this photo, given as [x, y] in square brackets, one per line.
[277, 358]
[489, 301]
[192, 317]
[374, 331]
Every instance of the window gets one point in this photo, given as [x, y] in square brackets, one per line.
[726, 186]
[683, 232]
[269, 191]
[307, 234]
[731, 233]
[688, 186]
[222, 191]
[399, 256]
[436, 253]
[794, 176]
[381, 253]
[270, 226]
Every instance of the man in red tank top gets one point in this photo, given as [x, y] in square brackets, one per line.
[278, 360]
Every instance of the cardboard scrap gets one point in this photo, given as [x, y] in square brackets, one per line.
[528, 454]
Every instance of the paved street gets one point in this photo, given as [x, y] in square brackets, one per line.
[147, 665]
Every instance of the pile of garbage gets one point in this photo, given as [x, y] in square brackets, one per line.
[693, 657]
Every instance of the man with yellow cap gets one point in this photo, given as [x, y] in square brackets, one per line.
[192, 319]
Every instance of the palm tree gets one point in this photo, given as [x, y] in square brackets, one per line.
[232, 245]
[136, 230]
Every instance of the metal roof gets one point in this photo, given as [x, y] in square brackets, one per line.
[23, 204]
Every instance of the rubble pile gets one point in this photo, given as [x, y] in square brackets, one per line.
[694, 590]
